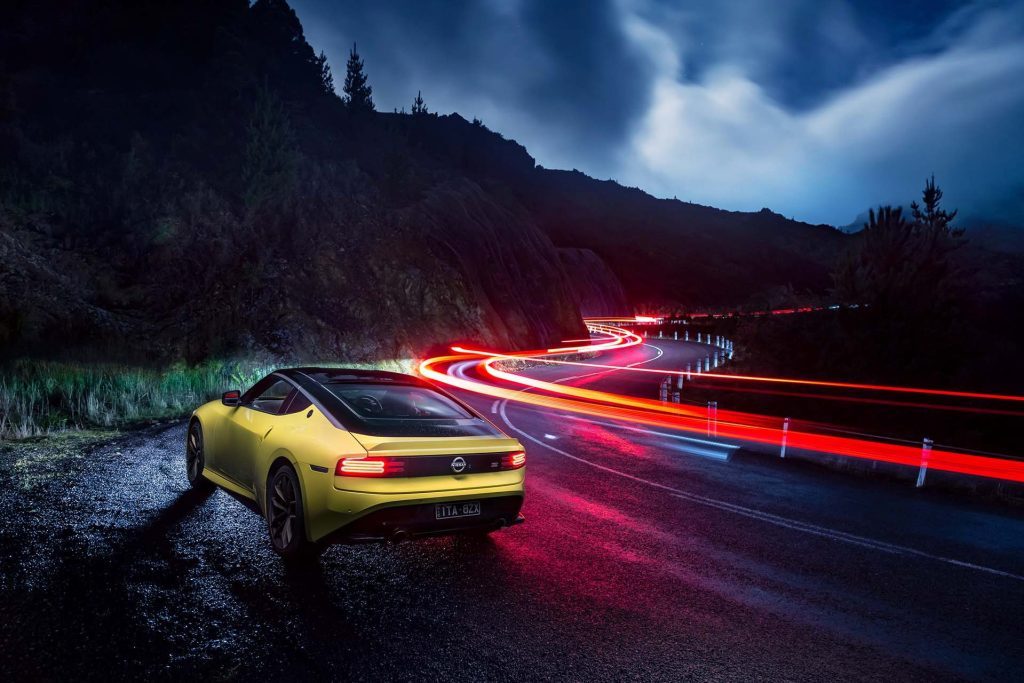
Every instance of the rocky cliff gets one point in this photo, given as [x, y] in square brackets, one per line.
[179, 180]
[596, 289]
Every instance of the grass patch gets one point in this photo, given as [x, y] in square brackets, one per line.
[39, 398]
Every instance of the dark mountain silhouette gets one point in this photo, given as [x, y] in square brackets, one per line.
[179, 180]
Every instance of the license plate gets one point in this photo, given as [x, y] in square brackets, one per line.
[451, 510]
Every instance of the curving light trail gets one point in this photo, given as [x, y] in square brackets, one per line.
[503, 383]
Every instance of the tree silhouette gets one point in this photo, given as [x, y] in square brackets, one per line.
[358, 93]
[932, 218]
[905, 273]
[880, 268]
[419, 108]
[326, 77]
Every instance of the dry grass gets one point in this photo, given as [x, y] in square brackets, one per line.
[39, 398]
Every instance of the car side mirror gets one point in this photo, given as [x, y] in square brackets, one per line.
[231, 398]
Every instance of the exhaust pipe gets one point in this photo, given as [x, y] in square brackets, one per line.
[399, 536]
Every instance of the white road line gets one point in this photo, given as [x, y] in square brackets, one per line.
[494, 407]
[767, 517]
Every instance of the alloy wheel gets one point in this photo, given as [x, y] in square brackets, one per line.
[283, 510]
[194, 452]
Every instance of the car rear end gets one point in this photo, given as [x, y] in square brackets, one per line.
[417, 462]
[404, 488]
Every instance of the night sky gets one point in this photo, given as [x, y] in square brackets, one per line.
[817, 109]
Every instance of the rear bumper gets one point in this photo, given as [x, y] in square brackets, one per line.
[399, 522]
[330, 510]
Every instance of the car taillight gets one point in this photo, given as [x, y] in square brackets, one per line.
[513, 461]
[370, 467]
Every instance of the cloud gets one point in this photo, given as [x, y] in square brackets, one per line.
[724, 140]
[560, 77]
[814, 108]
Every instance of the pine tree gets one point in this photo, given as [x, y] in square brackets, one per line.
[419, 108]
[931, 220]
[358, 93]
[326, 77]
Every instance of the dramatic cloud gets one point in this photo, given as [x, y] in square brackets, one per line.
[817, 109]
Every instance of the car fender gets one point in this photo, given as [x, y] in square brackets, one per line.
[312, 445]
[211, 417]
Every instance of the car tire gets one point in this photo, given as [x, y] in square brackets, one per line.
[286, 523]
[195, 457]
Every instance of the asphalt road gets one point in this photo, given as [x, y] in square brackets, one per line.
[644, 556]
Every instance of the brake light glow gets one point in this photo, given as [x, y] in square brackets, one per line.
[513, 461]
[369, 467]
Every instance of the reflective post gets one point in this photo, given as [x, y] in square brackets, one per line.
[688, 375]
[675, 397]
[712, 418]
[785, 435]
[926, 451]
[679, 381]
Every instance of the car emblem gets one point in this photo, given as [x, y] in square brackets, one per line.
[458, 464]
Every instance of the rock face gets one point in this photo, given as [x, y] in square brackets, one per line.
[597, 291]
[179, 181]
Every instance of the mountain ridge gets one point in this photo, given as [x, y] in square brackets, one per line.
[196, 189]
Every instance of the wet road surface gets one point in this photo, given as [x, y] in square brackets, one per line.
[644, 556]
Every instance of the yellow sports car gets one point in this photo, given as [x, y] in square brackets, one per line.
[335, 456]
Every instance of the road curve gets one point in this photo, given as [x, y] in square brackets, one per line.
[647, 553]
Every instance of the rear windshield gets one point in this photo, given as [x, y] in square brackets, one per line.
[396, 402]
[387, 406]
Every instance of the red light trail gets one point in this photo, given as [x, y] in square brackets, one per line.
[737, 425]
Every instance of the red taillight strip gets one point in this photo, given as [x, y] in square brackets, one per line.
[369, 467]
[513, 461]
[429, 465]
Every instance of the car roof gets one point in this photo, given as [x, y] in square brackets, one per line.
[352, 375]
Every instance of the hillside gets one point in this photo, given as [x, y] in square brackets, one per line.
[666, 253]
[179, 181]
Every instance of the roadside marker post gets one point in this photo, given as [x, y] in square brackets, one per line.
[679, 381]
[675, 335]
[712, 418]
[688, 375]
[675, 397]
[687, 333]
[926, 451]
[785, 435]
